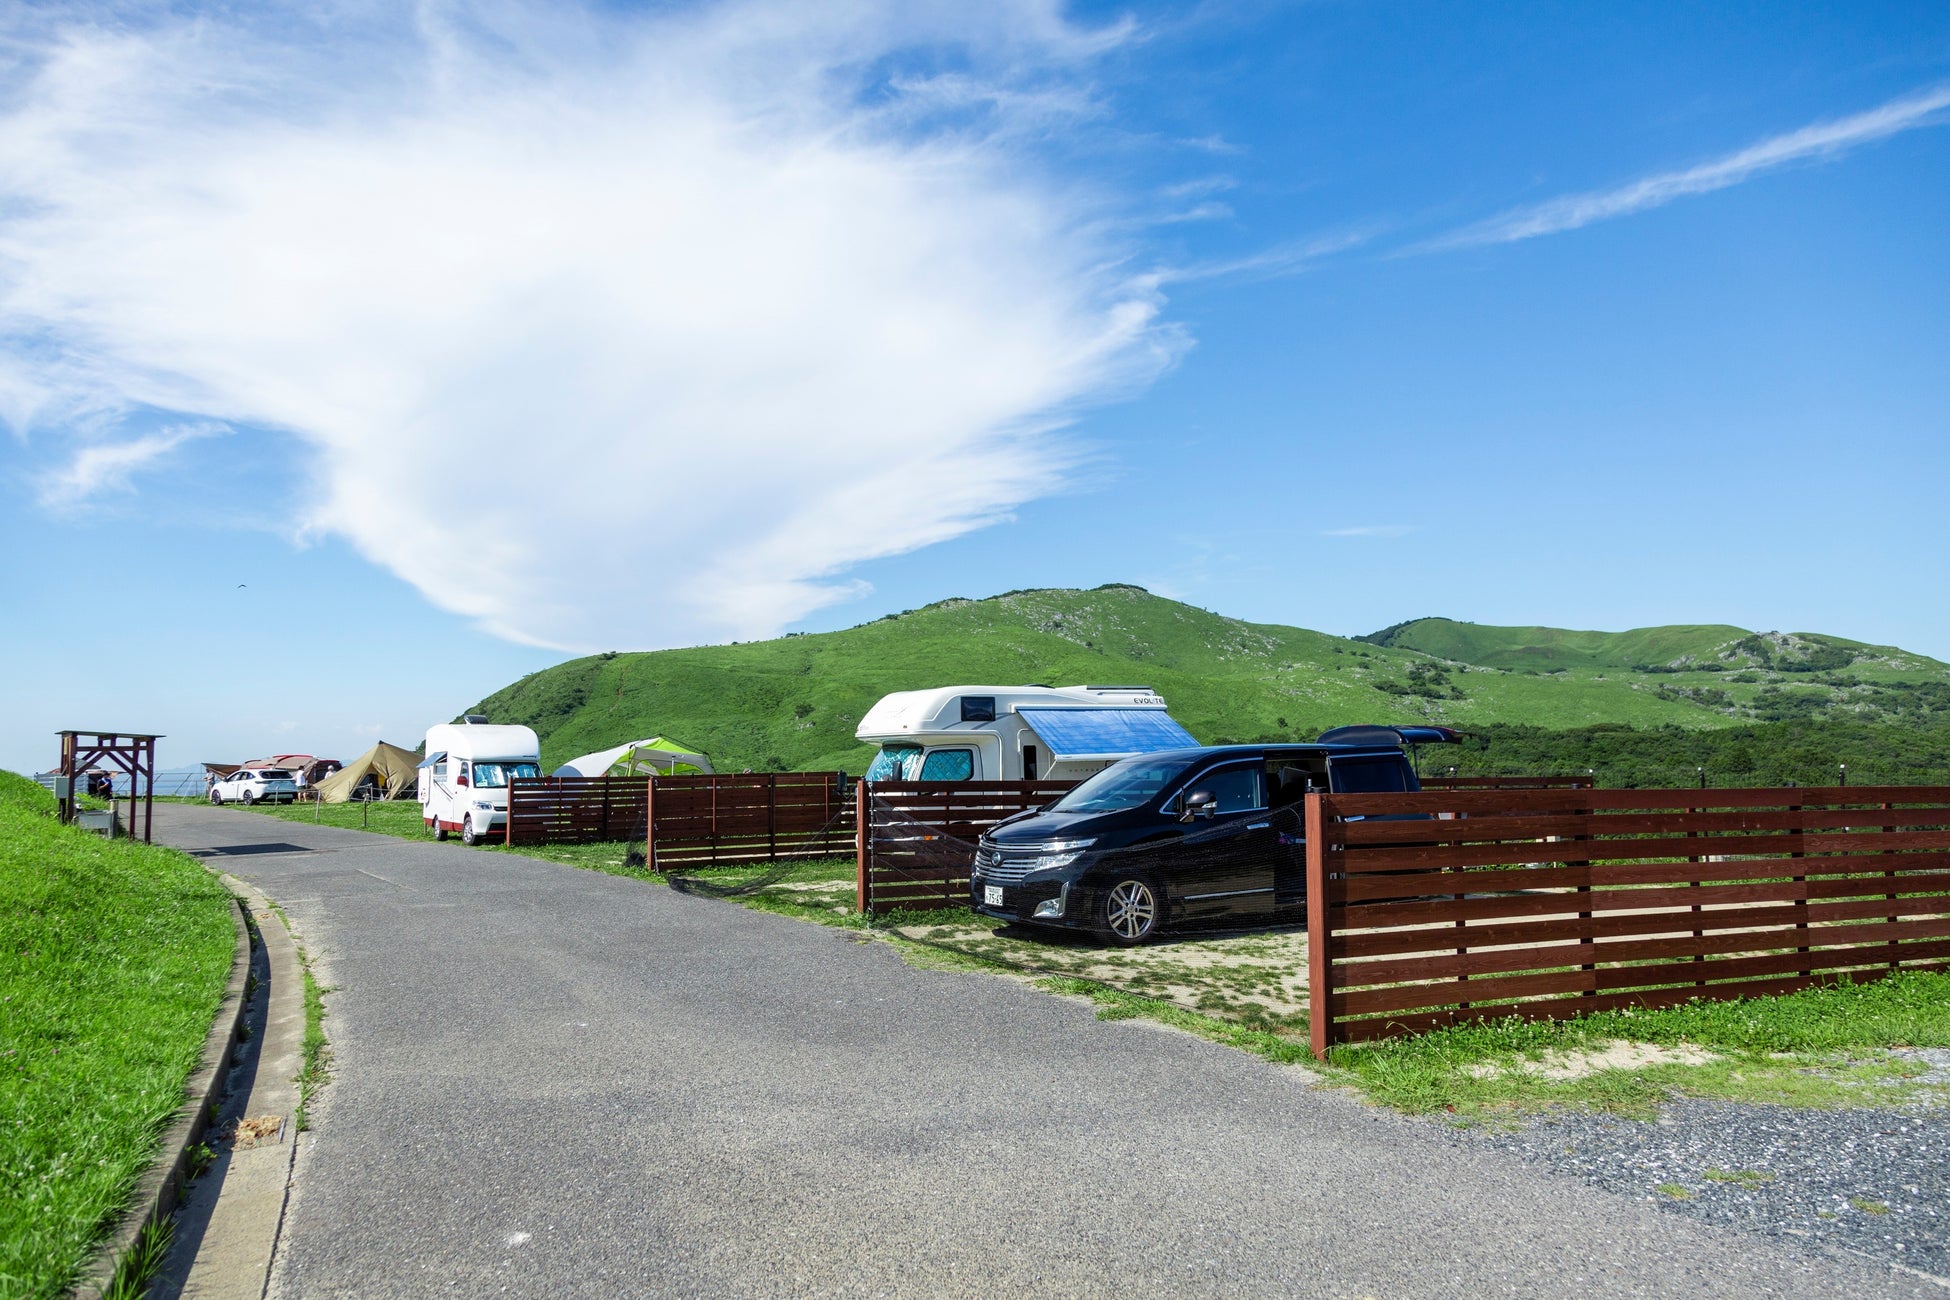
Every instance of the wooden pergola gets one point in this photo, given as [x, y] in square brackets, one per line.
[133, 754]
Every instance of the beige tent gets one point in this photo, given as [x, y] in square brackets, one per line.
[392, 769]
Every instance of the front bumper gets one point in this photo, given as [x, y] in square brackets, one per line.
[1030, 902]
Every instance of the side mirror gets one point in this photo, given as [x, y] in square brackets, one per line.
[1199, 803]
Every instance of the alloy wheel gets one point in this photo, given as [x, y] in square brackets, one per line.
[1131, 911]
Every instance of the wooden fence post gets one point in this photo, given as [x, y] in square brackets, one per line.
[1895, 956]
[771, 816]
[650, 823]
[1320, 988]
[863, 877]
[1588, 931]
[1801, 903]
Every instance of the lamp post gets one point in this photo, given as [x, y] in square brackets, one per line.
[1702, 775]
[1844, 768]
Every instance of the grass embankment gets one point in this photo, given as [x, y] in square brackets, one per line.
[1247, 989]
[113, 960]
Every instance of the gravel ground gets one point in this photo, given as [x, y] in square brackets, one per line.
[1866, 1182]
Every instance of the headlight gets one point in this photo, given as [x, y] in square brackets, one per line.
[1060, 853]
[483, 803]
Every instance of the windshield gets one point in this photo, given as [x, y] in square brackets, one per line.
[896, 763]
[1129, 784]
[497, 774]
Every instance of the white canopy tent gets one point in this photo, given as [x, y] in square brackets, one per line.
[638, 758]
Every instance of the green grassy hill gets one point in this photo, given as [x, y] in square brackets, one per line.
[793, 703]
[1679, 648]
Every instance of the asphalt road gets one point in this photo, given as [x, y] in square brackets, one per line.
[552, 1082]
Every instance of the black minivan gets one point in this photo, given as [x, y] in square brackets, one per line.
[1186, 833]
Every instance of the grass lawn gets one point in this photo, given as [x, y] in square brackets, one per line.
[1823, 1047]
[113, 960]
[1836, 1046]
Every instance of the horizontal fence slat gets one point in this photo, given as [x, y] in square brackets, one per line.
[1486, 880]
[1456, 830]
[1430, 911]
[1534, 802]
[1495, 961]
[1381, 943]
[1700, 976]
[1619, 849]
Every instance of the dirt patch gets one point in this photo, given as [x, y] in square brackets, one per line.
[1256, 977]
[1615, 1054]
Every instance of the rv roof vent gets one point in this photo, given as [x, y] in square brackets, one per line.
[473, 719]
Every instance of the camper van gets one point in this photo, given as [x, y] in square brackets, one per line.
[1014, 733]
[464, 777]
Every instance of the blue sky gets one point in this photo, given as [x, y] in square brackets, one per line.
[356, 363]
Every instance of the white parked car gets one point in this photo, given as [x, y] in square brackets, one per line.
[254, 784]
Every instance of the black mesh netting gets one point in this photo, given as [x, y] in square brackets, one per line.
[685, 879]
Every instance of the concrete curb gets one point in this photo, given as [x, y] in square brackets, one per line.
[229, 1227]
[156, 1196]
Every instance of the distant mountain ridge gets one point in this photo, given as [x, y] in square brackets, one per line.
[1675, 648]
[792, 702]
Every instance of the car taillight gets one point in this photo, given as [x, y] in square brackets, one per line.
[461, 777]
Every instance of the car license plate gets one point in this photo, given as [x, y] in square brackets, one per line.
[992, 895]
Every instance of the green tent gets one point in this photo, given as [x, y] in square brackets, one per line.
[659, 754]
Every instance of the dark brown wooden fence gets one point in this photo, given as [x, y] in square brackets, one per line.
[1507, 783]
[575, 809]
[1555, 903]
[917, 838]
[725, 820]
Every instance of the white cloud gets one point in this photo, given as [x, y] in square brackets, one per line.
[611, 332]
[1821, 140]
[108, 467]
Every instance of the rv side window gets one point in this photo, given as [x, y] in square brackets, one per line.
[1370, 776]
[978, 708]
[949, 765]
[895, 763]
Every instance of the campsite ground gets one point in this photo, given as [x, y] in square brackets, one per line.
[1247, 988]
[690, 1096]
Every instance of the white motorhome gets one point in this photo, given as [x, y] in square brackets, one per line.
[1015, 733]
[464, 776]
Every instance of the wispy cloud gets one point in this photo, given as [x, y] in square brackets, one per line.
[1369, 530]
[613, 329]
[1284, 259]
[1821, 140]
[109, 467]
[1215, 144]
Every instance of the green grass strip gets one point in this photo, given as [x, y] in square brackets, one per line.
[113, 961]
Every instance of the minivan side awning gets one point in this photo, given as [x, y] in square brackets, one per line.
[1107, 733]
